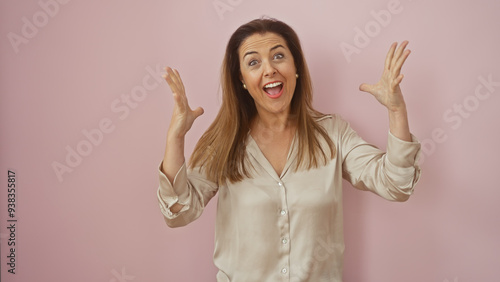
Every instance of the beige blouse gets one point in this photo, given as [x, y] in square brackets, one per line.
[288, 227]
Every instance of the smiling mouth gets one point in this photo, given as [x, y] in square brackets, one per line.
[274, 90]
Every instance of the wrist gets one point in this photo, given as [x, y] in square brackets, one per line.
[398, 124]
[398, 115]
[398, 110]
[175, 135]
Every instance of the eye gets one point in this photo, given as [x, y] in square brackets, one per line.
[279, 56]
[252, 63]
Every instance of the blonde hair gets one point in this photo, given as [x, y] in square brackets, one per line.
[221, 152]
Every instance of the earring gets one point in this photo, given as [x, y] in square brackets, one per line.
[296, 75]
[244, 86]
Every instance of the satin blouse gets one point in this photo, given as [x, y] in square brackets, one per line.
[289, 227]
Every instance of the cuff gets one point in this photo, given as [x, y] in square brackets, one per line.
[179, 188]
[402, 154]
[172, 193]
[165, 205]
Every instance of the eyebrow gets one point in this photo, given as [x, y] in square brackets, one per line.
[255, 52]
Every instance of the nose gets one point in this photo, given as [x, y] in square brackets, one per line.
[269, 69]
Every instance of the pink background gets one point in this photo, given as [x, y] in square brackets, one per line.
[103, 223]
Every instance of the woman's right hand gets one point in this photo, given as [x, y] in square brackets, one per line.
[182, 117]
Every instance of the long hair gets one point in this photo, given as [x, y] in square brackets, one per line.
[220, 152]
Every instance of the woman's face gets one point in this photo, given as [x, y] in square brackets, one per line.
[268, 70]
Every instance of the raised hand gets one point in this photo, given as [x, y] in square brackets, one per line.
[387, 90]
[182, 117]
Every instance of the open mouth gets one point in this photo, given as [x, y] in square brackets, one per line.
[274, 89]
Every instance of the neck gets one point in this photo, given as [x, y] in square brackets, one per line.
[273, 122]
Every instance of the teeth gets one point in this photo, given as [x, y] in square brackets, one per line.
[271, 85]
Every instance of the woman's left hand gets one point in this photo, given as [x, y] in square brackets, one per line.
[387, 90]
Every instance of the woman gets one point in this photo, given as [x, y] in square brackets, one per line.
[277, 163]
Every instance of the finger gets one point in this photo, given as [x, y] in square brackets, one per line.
[172, 84]
[400, 62]
[179, 80]
[179, 99]
[366, 87]
[390, 54]
[168, 79]
[398, 80]
[198, 112]
[180, 103]
[180, 85]
[174, 78]
[176, 84]
[398, 53]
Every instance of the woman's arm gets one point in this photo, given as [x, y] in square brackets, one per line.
[394, 174]
[182, 120]
[388, 92]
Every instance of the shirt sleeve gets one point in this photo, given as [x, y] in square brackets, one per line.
[190, 189]
[391, 175]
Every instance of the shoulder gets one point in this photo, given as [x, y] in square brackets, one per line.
[333, 123]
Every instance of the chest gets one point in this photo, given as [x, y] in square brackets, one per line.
[312, 192]
[275, 148]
